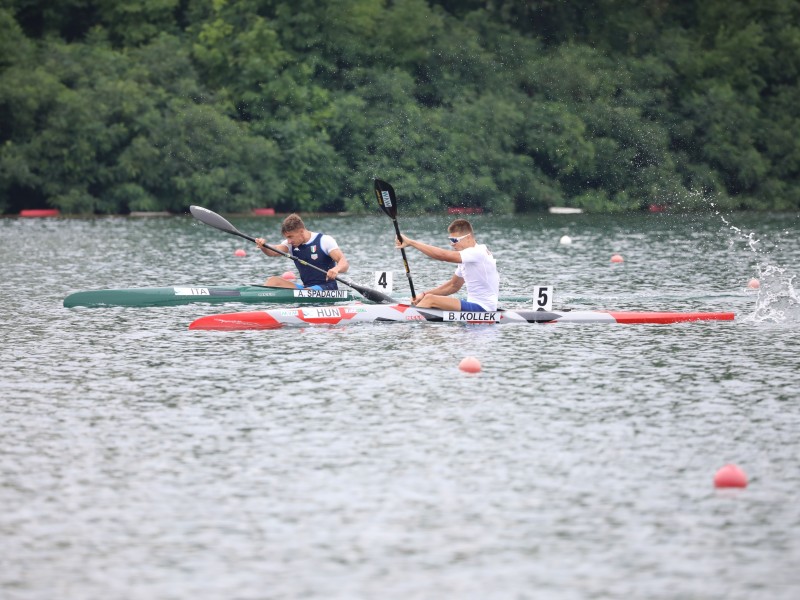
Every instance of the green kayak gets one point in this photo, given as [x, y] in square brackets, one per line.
[173, 296]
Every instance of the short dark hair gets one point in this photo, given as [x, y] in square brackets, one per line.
[292, 223]
[460, 226]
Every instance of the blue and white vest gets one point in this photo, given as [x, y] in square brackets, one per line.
[312, 253]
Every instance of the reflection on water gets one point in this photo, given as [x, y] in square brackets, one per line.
[141, 460]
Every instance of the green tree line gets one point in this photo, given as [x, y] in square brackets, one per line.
[113, 106]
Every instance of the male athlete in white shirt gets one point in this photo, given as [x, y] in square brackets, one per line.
[476, 267]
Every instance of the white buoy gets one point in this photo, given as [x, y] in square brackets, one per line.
[565, 240]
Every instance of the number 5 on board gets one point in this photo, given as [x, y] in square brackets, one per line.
[543, 297]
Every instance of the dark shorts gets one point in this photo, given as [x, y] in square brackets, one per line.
[471, 306]
[330, 285]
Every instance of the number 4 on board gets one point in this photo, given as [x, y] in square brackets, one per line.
[384, 281]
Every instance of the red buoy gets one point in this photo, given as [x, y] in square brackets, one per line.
[289, 276]
[39, 212]
[617, 258]
[730, 476]
[470, 364]
[240, 252]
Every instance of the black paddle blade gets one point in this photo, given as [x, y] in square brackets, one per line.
[387, 199]
[368, 293]
[211, 218]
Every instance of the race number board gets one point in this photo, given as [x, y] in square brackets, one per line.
[543, 297]
[384, 281]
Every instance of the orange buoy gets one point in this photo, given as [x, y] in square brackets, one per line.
[470, 364]
[754, 284]
[617, 258]
[730, 476]
[240, 252]
[289, 276]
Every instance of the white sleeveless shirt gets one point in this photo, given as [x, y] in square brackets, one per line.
[478, 269]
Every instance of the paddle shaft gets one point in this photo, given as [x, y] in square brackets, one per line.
[405, 260]
[358, 288]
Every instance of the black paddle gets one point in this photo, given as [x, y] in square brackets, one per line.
[388, 201]
[211, 218]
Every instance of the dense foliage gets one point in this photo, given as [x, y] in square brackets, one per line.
[111, 106]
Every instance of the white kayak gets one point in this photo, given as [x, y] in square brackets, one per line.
[404, 313]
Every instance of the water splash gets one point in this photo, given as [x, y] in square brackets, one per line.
[777, 300]
[749, 238]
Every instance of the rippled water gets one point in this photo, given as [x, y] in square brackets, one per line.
[140, 460]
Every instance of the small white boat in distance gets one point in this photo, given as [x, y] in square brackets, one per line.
[564, 210]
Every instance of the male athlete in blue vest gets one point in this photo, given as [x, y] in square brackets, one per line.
[318, 249]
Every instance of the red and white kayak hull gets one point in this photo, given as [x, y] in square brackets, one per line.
[383, 313]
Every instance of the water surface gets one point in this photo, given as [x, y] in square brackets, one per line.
[140, 460]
